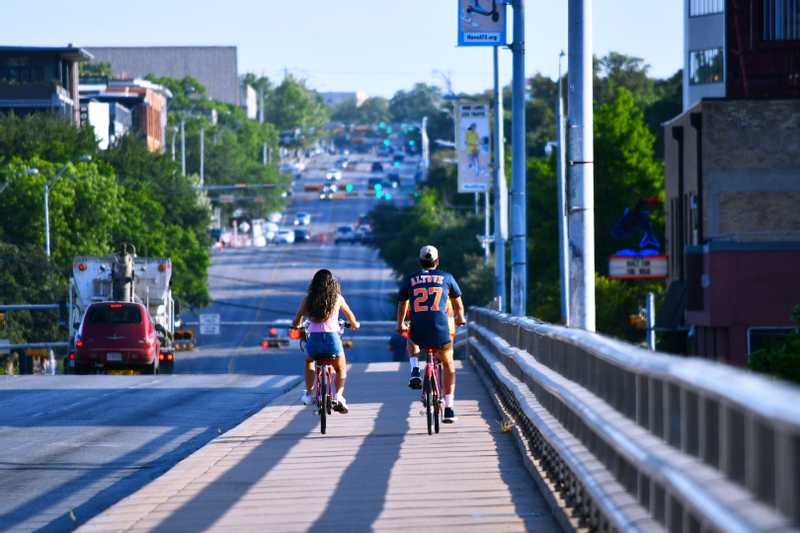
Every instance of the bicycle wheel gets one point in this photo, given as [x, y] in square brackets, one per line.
[323, 411]
[428, 404]
[329, 397]
[437, 399]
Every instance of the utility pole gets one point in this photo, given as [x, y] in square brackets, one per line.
[174, 133]
[486, 216]
[264, 156]
[519, 237]
[202, 155]
[500, 191]
[581, 167]
[561, 168]
[183, 146]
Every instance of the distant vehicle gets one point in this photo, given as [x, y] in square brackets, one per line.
[285, 236]
[333, 175]
[302, 219]
[374, 183]
[275, 217]
[345, 234]
[116, 335]
[364, 234]
[394, 179]
[301, 235]
[376, 167]
[270, 231]
[362, 220]
[342, 163]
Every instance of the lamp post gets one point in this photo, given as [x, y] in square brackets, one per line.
[27, 172]
[47, 186]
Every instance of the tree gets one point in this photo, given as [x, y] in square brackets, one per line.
[411, 106]
[373, 111]
[781, 359]
[292, 105]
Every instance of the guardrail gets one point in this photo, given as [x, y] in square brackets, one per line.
[633, 440]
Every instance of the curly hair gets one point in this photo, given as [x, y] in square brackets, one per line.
[323, 293]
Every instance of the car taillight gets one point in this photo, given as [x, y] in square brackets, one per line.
[71, 356]
[294, 334]
[264, 345]
[273, 332]
[161, 357]
[79, 343]
[115, 306]
[170, 356]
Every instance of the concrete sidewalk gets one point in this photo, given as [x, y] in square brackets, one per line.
[376, 469]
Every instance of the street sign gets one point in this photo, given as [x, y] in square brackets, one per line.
[473, 147]
[209, 324]
[481, 23]
[637, 267]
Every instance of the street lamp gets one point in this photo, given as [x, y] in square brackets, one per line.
[47, 186]
[27, 172]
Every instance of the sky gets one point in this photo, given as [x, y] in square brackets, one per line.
[379, 46]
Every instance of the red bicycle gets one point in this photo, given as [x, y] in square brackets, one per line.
[324, 386]
[432, 396]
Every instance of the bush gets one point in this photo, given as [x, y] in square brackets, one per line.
[783, 360]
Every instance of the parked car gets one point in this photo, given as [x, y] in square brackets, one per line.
[377, 167]
[285, 236]
[115, 335]
[301, 235]
[275, 217]
[270, 231]
[333, 175]
[345, 234]
[302, 219]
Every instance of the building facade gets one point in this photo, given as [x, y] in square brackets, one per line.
[333, 99]
[216, 67]
[36, 79]
[146, 101]
[732, 177]
[741, 49]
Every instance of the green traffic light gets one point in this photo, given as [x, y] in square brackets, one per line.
[396, 164]
[349, 187]
[412, 142]
[389, 129]
[378, 187]
[387, 196]
[378, 194]
[386, 142]
[382, 125]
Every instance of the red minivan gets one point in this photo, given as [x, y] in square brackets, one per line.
[116, 335]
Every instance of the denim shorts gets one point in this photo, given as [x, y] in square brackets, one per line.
[324, 344]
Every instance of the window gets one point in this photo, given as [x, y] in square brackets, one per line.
[705, 66]
[698, 8]
[766, 338]
[114, 314]
[781, 20]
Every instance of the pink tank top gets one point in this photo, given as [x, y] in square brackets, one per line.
[330, 325]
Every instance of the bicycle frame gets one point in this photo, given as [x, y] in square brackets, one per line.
[434, 373]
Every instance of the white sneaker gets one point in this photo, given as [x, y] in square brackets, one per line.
[341, 405]
[306, 398]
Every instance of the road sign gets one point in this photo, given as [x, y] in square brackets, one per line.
[637, 267]
[209, 324]
[481, 23]
[472, 147]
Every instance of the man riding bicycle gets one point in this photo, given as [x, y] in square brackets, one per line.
[430, 290]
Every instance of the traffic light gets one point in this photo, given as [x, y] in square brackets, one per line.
[386, 142]
[387, 196]
[396, 164]
[382, 125]
[412, 142]
[389, 129]
[349, 187]
[378, 187]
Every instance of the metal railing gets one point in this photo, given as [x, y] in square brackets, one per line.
[638, 440]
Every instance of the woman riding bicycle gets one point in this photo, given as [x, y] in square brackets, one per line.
[321, 305]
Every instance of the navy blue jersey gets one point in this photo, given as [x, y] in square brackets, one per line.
[428, 292]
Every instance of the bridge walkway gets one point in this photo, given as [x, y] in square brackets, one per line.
[376, 469]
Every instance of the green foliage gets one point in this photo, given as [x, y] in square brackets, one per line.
[626, 171]
[401, 232]
[83, 208]
[27, 277]
[45, 136]
[783, 360]
[617, 300]
[373, 111]
[293, 105]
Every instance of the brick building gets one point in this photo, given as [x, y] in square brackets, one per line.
[732, 162]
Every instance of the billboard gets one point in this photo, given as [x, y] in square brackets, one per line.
[473, 147]
[481, 23]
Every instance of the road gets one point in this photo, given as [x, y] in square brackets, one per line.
[71, 446]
